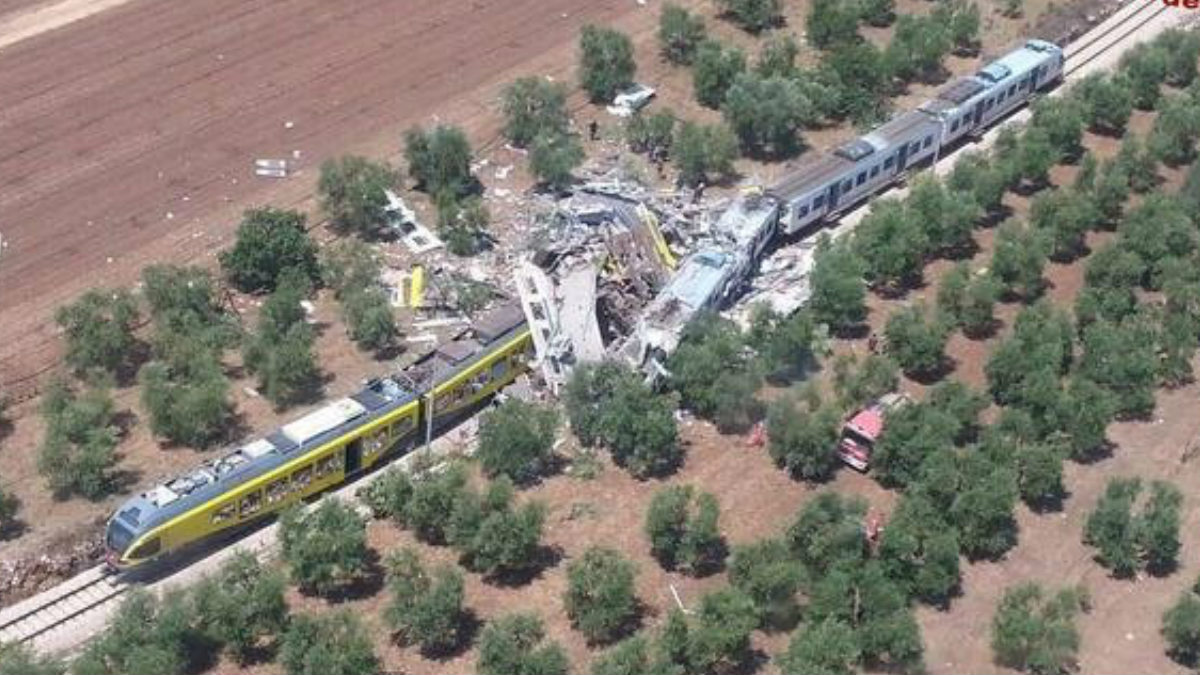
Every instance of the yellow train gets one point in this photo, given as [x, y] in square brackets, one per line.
[324, 448]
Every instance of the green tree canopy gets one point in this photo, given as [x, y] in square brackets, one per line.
[703, 152]
[679, 33]
[715, 68]
[917, 341]
[517, 440]
[337, 642]
[683, 531]
[426, 606]
[553, 157]
[767, 113]
[77, 453]
[351, 193]
[325, 547]
[269, 241]
[600, 598]
[98, 328]
[439, 160]
[606, 63]
[515, 644]
[533, 106]
[1034, 633]
[242, 605]
[753, 15]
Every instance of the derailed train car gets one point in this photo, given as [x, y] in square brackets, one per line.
[323, 449]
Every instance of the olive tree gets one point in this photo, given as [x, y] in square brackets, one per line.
[606, 63]
[1180, 629]
[242, 605]
[269, 241]
[1036, 633]
[679, 32]
[77, 453]
[553, 157]
[600, 598]
[917, 341]
[98, 328]
[683, 531]
[517, 440]
[324, 548]
[753, 15]
[332, 643]
[426, 606]
[533, 106]
[515, 644]
[715, 68]
[351, 191]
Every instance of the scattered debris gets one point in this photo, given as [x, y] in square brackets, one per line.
[403, 220]
[270, 168]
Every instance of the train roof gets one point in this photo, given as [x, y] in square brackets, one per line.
[378, 397]
[900, 130]
[821, 171]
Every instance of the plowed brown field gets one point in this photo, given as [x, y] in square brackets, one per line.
[129, 135]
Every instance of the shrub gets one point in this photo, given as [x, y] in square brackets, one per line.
[439, 160]
[324, 548]
[1035, 633]
[606, 64]
[913, 433]
[349, 265]
[98, 328]
[77, 456]
[683, 536]
[269, 241]
[679, 32]
[600, 598]
[653, 132]
[242, 604]
[917, 342]
[187, 393]
[514, 644]
[1180, 629]
[715, 375]
[827, 533]
[720, 639]
[554, 157]
[892, 244]
[831, 23]
[21, 659]
[517, 440]
[919, 550]
[703, 152]
[369, 318]
[351, 193]
[426, 607]
[753, 15]
[714, 71]
[332, 643]
[1107, 103]
[1018, 260]
[146, 635]
[767, 574]
[281, 353]
[508, 541]
[767, 113]
[609, 405]
[533, 106]
[826, 647]
[857, 383]
[803, 441]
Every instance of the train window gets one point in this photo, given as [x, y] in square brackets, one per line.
[954, 126]
[378, 440]
[912, 149]
[862, 178]
[1012, 90]
[328, 464]
[251, 503]
[404, 426]
[802, 212]
[225, 512]
[928, 142]
[302, 477]
[874, 171]
[847, 186]
[278, 490]
[818, 202]
[499, 368]
[147, 549]
[889, 163]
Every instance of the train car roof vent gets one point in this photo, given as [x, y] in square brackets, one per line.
[855, 150]
[994, 72]
[322, 420]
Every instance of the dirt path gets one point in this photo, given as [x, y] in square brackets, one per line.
[22, 25]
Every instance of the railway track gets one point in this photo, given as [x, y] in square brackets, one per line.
[1123, 23]
[89, 593]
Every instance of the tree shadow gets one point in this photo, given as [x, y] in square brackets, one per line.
[1052, 503]
[753, 661]
[1096, 454]
[469, 625]
[632, 625]
[933, 375]
[362, 586]
[984, 332]
[390, 351]
[137, 356]
[6, 428]
[544, 559]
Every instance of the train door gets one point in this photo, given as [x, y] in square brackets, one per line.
[902, 158]
[978, 115]
[834, 193]
[354, 456]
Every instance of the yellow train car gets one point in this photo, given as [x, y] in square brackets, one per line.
[324, 448]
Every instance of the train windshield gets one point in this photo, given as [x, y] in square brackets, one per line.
[119, 537]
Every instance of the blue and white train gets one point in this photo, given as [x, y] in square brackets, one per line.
[829, 184]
